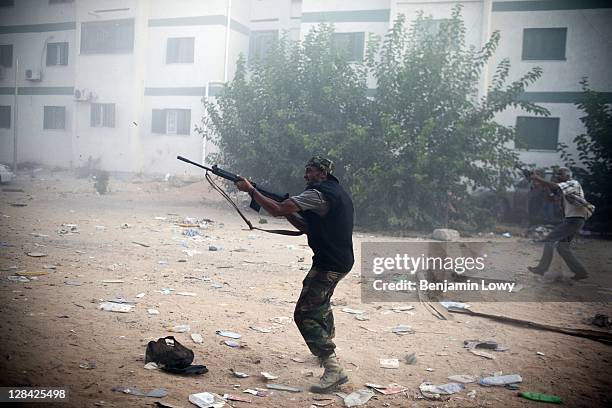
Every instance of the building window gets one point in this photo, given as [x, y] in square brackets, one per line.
[171, 121]
[544, 43]
[6, 55]
[55, 117]
[537, 133]
[261, 43]
[349, 45]
[5, 117]
[60, 1]
[7, 3]
[180, 50]
[57, 53]
[107, 37]
[102, 115]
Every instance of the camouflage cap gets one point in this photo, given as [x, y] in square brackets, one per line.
[322, 164]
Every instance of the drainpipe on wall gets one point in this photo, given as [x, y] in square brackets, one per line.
[227, 38]
[486, 32]
[15, 117]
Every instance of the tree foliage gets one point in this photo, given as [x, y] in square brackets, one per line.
[594, 164]
[410, 152]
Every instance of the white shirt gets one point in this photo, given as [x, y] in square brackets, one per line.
[570, 210]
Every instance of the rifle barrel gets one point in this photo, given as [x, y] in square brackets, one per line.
[194, 163]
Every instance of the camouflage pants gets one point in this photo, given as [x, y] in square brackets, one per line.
[313, 314]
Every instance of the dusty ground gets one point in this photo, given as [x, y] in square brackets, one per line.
[49, 328]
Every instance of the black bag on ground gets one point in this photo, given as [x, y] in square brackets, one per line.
[168, 352]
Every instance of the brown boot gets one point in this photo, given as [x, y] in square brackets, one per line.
[333, 376]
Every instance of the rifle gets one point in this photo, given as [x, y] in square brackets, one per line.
[526, 173]
[233, 178]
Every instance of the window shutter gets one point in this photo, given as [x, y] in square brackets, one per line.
[64, 53]
[6, 55]
[108, 116]
[172, 50]
[184, 121]
[5, 117]
[158, 121]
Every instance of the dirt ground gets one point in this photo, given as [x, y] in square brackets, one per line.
[52, 324]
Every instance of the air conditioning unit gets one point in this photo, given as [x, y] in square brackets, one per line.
[82, 94]
[32, 74]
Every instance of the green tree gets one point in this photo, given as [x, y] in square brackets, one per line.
[411, 154]
[594, 147]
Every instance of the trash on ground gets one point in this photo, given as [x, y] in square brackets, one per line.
[462, 378]
[232, 397]
[155, 393]
[115, 307]
[483, 344]
[232, 343]
[298, 360]
[269, 376]
[457, 305]
[432, 392]
[197, 338]
[36, 254]
[389, 363]
[358, 398]
[186, 294]
[180, 328]
[207, 400]
[239, 374]
[411, 359]
[191, 232]
[140, 295]
[387, 390]
[539, 353]
[229, 334]
[281, 320]
[151, 366]
[113, 281]
[536, 396]
[402, 309]
[500, 380]
[73, 283]
[362, 318]
[172, 356]
[352, 311]
[402, 329]
[280, 387]
[15, 278]
[257, 392]
[32, 273]
[88, 366]
[261, 329]
[153, 311]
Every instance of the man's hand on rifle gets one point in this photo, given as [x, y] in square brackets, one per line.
[244, 185]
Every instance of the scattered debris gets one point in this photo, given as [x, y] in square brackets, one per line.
[88, 366]
[36, 254]
[140, 295]
[261, 329]
[500, 380]
[353, 311]
[358, 398]
[197, 338]
[280, 387]
[457, 305]
[389, 389]
[231, 397]
[439, 392]
[113, 281]
[281, 320]
[389, 363]
[153, 311]
[151, 366]
[402, 329]
[232, 343]
[186, 294]
[155, 393]
[269, 376]
[206, 399]
[257, 392]
[536, 396]
[180, 328]
[229, 334]
[141, 244]
[115, 307]
[411, 359]
[462, 378]
[239, 374]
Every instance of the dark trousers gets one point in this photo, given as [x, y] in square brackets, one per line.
[313, 314]
[561, 237]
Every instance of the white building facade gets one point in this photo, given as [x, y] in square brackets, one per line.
[122, 81]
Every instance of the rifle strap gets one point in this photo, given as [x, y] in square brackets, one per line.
[246, 220]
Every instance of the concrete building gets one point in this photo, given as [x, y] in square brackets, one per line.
[122, 80]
